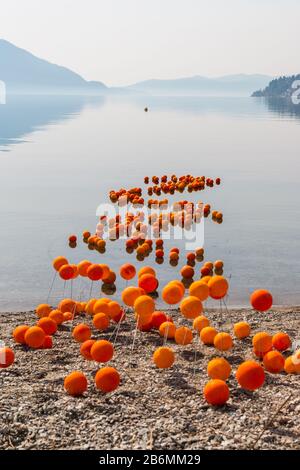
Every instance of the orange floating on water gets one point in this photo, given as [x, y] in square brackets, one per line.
[95, 272]
[146, 270]
[148, 282]
[110, 279]
[83, 267]
[127, 271]
[66, 272]
[187, 272]
[59, 262]
[105, 271]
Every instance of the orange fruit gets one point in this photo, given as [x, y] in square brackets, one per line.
[250, 375]
[144, 305]
[130, 294]
[102, 351]
[200, 290]
[85, 349]
[48, 325]
[107, 379]
[43, 310]
[101, 321]
[19, 334]
[274, 361]
[290, 367]
[7, 357]
[183, 335]
[167, 330]
[219, 368]
[191, 307]
[242, 329]
[187, 272]
[172, 293]
[57, 316]
[223, 341]
[35, 337]
[207, 335]
[158, 318]
[200, 322]
[48, 343]
[262, 342]
[218, 287]
[216, 392]
[75, 383]
[281, 341]
[81, 333]
[67, 305]
[261, 300]
[164, 357]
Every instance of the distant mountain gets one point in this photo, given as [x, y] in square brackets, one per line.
[23, 72]
[229, 85]
[278, 88]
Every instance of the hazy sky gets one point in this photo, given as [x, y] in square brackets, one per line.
[123, 41]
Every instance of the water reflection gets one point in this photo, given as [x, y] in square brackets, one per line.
[282, 106]
[24, 114]
[205, 105]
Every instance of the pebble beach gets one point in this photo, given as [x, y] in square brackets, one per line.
[152, 409]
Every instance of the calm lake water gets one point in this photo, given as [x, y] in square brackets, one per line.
[60, 156]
